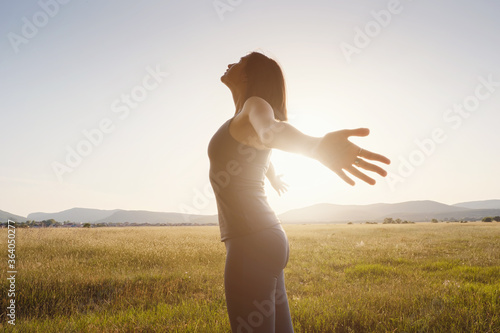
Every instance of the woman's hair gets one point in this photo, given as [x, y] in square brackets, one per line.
[265, 80]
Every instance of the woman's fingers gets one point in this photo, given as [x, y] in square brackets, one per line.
[355, 172]
[373, 156]
[370, 167]
[357, 132]
[342, 175]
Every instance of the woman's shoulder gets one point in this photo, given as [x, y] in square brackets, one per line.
[240, 126]
[256, 102]
[256, 107]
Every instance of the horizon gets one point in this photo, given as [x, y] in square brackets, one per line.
[119, 113]
[278, 213]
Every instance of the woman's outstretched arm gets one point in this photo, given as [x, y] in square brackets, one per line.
[334, 150]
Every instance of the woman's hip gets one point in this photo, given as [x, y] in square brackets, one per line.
[268, 248]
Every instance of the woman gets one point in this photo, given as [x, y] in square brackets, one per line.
[239, 152]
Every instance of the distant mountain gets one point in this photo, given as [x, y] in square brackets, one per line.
[84, 215]
[74, 215]
[411, 210]
[4, 216]
[142, 216]
[484, 204]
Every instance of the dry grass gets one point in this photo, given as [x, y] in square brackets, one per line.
[340, 278]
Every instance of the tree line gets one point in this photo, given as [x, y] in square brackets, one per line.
[51, 223]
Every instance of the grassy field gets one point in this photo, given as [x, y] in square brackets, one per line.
[340, 278]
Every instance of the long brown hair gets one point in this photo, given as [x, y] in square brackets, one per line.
[265, 80]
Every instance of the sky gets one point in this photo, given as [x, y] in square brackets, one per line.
[111, 104]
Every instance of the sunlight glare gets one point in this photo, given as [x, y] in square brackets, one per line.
[306, 177]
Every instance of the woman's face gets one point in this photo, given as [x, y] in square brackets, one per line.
[235, 75]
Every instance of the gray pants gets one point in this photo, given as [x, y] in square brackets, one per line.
[255, 284]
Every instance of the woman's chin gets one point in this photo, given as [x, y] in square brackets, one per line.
[224, 80]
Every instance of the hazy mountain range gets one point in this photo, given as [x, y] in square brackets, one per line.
[120, 215]
[417, 211]
[412, 210]
[4, 216]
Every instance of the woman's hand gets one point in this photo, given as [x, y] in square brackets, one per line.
[336, 152]
[278, 184]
